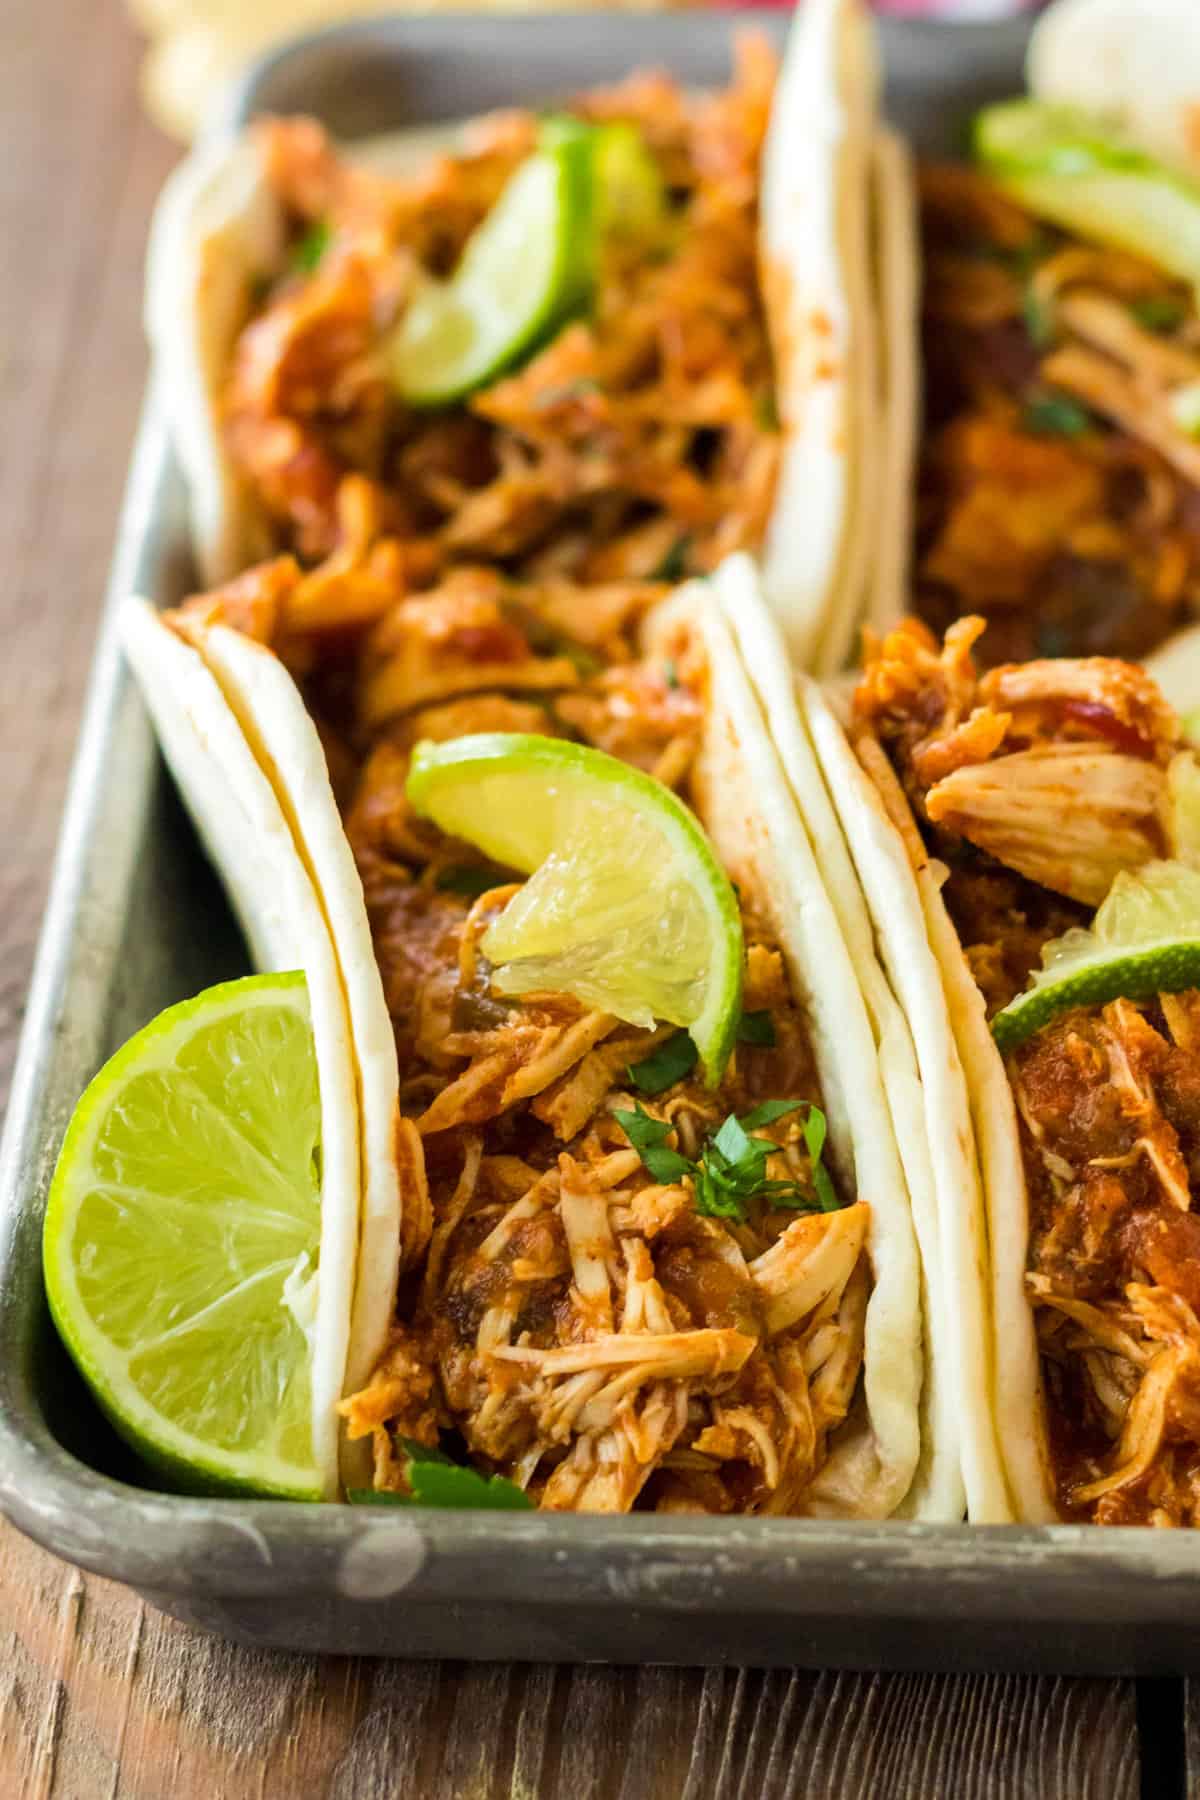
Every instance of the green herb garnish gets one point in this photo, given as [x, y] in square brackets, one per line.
[757, 1028]
[766, 412]
[1056, 415]
[436, 1481]
[671, 673]
[665, 1065]
[311, 247]
[461, 878]
[1039, 319]
[1159, 312]
[673, 566]
[732, 1166]
[649, 1138]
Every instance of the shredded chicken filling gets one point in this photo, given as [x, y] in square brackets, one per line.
[1035, 784]
[1059, 491]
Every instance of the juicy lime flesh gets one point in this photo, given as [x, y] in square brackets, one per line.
[1144, 940]
[185, 1201]
[626, 906]
[520, 268]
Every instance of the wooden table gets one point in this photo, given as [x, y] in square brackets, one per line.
[100, 1696]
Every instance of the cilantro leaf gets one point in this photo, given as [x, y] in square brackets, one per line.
[665, 1065]
[769, 1111]
[671, 673]
[311, 247]
[649, 1138]
[814, 1143]
[757, 1028]
[462, 879]
[436, 1481]
[1039, 319]
[1159, 312]
[673, 566]
[1056, 415]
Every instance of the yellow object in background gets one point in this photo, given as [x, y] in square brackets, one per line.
[197, 46]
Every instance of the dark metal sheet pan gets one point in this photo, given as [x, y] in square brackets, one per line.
[136, 920]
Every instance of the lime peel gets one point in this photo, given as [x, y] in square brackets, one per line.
[626, 907]
[1144, 940]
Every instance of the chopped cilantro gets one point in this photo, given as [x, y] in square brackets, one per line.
[1039, 319]
[649, 1138]
[436, 1481]
[757, 1028]
[664, 1066]
[311, 247]
[732, 1168]
[466, 880]
[766, 412]
[1159, 312]
[673, 566]
[1056, 415]
[670, 673]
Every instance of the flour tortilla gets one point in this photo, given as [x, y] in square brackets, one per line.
[219, 232]
[252, 845]
[898, 286]
[756, 827]
[903, 891]
[281, 735]
[937, 1491]
[816, 263]
[973, 1131]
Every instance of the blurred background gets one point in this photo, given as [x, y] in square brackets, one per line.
[194, 46]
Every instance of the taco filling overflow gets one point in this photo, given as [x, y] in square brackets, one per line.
[670, 1083]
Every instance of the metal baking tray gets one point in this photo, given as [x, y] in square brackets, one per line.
[136, 920]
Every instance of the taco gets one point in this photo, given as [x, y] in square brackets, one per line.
[628, 1265]
[1057, 482]
[600, 350]
[1048, 814]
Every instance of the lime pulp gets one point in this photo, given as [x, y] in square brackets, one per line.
[626, 907]
[182, 1231]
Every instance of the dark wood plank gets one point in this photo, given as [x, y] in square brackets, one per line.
[99, 1696]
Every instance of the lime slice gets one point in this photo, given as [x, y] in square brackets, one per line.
[181, 1231]
[1068, 167]
[522, 271]
[626, 907]
[1144, 940]
[631, 197]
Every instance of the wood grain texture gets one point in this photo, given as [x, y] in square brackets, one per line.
[101, 1698]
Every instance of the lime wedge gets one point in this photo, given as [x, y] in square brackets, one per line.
[1144, 940]
[523, 270]
[182, 1228]
[631, 197]
[626, 907]
[1070, 168]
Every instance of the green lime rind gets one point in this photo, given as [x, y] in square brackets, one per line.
[1144, 940]
[525, 269]
[182, 1158]
[1167, 968]
[1067, 167]
[551, 809]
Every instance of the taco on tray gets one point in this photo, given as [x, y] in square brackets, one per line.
[1048, 817]
[1057, 476]
[598, 350]
[623, 1263]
